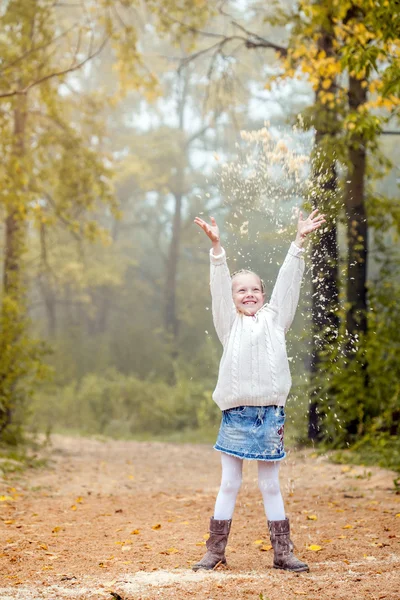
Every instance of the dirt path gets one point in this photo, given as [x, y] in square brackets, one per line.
[131, 518]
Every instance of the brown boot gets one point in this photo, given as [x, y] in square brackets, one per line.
[216, 544]
[283, 548]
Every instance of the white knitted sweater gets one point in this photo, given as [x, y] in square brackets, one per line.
[254, 368]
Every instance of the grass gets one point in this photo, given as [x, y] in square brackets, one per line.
[17, 459]
[380, 450]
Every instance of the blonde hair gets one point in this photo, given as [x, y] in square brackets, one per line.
[250, 273]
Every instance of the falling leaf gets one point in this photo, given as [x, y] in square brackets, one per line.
[314, 548]
[312, 517]
[157, 526]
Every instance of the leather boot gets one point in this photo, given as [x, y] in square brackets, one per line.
[283, 548]
[216, 544]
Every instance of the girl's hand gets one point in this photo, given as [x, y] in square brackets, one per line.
[307, 226]
[211, 231]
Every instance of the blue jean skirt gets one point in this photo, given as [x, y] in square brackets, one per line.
[252, 432]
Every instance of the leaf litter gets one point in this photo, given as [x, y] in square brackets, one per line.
[97, 551]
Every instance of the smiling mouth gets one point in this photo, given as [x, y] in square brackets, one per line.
[250, 302]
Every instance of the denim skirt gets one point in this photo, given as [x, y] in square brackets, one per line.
[252, 432]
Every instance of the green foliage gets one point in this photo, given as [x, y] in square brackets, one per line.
[361, 397]
[375, 448]
[123, 406]
[21, 370]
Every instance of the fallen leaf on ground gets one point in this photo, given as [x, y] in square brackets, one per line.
[157, 526]
[170, 551]
[135, 532]
[43, 546]
[314, 547]
[312, 517]
[265, 547]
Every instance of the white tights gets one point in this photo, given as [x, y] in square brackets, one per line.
[268, 482]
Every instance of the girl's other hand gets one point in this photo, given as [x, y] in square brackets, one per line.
[308, 225]
[211, 231]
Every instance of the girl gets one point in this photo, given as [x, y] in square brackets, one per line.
[252, 388]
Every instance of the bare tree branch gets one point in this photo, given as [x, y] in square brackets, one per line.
[70, 69]
[36, 49]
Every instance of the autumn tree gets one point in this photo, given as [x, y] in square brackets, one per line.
[52, 170]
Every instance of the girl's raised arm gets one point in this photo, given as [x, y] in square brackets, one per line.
[286, 292]
[223, 308]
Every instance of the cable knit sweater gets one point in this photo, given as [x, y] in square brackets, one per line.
[254, 368]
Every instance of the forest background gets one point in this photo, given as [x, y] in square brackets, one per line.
[120, 122]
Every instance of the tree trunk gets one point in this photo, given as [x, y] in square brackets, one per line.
[15, 222]
[324, 253]
[46, 286]
[357, 227]
[13, 308]
[171, 319]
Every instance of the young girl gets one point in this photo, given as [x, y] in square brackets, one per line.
[253, 385]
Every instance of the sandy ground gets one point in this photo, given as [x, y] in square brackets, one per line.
[126, 520]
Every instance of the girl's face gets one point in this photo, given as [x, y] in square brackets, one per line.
[247, 293]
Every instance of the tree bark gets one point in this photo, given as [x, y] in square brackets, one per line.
[171, 319]
[15, 222]
[324, 252]
[357, 225]
[46, 286]
[13, 308]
